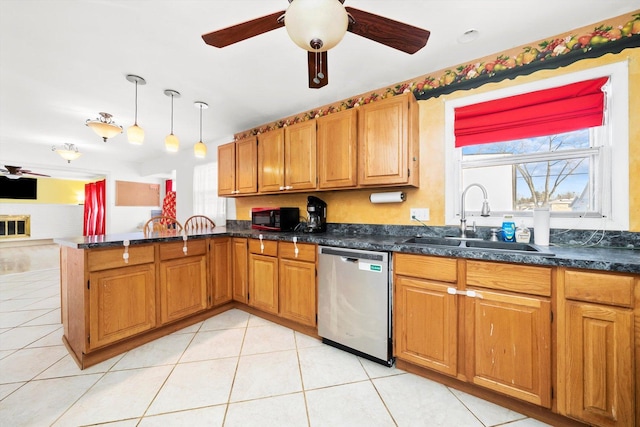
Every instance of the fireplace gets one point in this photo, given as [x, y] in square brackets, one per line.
[12, 226]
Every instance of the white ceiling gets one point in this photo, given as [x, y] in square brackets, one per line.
[62, 62]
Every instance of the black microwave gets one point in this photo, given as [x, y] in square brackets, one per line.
[275, 219]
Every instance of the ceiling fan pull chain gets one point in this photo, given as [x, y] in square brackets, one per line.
[320, 74]
[316, 80]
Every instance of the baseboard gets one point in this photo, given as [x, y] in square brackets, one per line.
[29, 242]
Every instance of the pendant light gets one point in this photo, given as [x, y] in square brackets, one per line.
[135, 133]
[200, 149]
[104, 126]
[171, 142]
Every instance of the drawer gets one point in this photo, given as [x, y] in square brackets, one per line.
[426, 267]
[604, 288]
[270, 247]
[174, 250]
[306, 251]
[510, 277]
[104, 259]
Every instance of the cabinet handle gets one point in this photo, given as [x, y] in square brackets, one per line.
[261, 244]
[470, 293]
[295, 246]
[184, 248]
[125, 255]
[282, 188]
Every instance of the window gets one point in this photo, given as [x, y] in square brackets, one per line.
[205, 193]
[582, 175]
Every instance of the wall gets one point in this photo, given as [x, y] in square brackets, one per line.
[354, 206]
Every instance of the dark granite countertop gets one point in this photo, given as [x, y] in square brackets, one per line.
[593, 258]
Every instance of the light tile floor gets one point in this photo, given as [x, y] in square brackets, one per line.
[233, 369]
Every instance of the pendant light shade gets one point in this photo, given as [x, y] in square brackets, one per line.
[67, 151]
[104, 126]
[200, 149]
[316, 25]
[171, 142]
[135, 133]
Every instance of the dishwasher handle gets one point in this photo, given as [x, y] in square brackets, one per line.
[348, 259]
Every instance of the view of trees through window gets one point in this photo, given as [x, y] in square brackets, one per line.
[555, 170]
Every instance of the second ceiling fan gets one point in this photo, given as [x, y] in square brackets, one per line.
[319, 25]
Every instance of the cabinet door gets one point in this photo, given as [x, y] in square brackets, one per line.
[298, 291]
[220, 269]
[246, 166]
[240, 269]
[183, 287]
[300, 156]
[509, 345]
[337, 150]
[599, 375]
[383, 142]
[122, 303]
[263, 282]
[227, 169]
[271, 161]
[426, 324]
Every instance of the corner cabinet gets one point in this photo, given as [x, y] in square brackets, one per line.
[596, 356]
[240, 269]
[238, 168]
[183, 279]
[221, 283]
[388, 142]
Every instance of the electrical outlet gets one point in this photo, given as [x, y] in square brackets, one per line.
[420, 214]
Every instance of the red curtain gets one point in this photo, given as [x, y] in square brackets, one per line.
[544, 112]
[94, 208]
[168, 186]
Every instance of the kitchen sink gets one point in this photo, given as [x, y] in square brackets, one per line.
[433, 241]
[477, 244]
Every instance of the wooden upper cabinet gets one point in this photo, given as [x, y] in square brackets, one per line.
[238, 167]
[388, 142]
[300, 156]
[246, 166]
[227, 169]
[271, 161]
[337, 150]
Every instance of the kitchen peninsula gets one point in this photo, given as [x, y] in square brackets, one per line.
[566, 304]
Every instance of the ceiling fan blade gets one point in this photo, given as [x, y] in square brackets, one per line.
[395, 34]
[24, 172]
[318, 71]
[243, 31]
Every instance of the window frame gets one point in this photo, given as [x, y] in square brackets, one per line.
[614, 151]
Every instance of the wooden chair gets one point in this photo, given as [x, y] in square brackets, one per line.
[162, 225]
[198, 223]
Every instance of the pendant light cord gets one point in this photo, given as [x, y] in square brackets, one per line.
[135, 119]
[172, 114]
[200, 122]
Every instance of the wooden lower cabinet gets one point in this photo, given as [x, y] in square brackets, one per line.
[596, 334]
[183, 280]
[297, 285]
[508, 344]
[240, 269]
[121, 303]
[263, 275]
[220, 271]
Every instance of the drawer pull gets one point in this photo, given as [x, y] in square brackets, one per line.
[184, 248]
[295, 246]
[261, 244]
[469, 293]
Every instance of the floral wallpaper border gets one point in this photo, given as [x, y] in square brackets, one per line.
[547, 54]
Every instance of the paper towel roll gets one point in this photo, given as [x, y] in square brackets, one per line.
[541, 218]
[391, 197]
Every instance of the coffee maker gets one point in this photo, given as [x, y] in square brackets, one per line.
[317, 215]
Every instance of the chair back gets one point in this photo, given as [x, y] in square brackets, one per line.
[198, 223]
[162, 225]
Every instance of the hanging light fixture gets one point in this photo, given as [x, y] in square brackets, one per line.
[135, 133]
[200, 149]
[104, 126]
[171, 142]
[316, 25]
[67, 151]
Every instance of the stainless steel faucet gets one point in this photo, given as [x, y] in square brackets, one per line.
[463, 217]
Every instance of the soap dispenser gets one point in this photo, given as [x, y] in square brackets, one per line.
[508, 229]
[523, 234]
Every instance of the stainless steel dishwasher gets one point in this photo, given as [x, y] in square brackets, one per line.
[354, 302]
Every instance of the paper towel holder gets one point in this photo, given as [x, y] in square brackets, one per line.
[388, 197]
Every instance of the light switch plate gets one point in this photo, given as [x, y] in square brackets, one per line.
[421, 214]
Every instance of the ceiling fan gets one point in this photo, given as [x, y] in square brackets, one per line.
[318, 25]
[15, 172]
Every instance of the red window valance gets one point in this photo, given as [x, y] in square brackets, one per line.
[544, 112]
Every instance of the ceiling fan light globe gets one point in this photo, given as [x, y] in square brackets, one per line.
[172, 143]
[200, 150]
[135, 134]
[308, 20]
